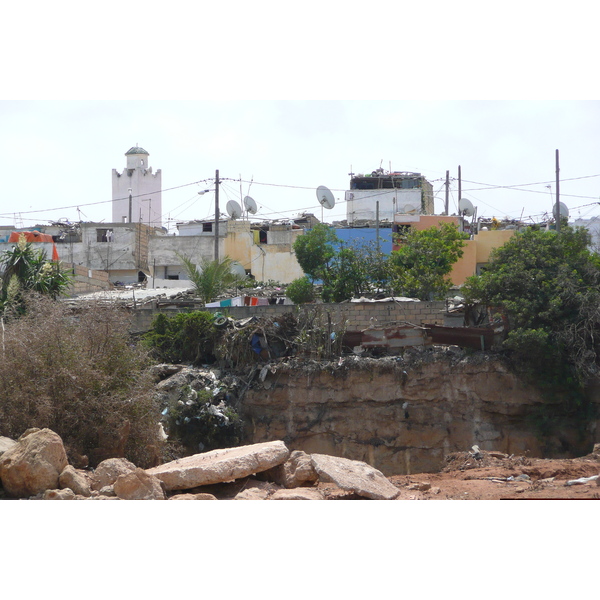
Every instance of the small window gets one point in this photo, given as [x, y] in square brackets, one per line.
[207, 226]
[104, 235]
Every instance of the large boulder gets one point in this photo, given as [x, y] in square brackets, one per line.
[33, 464]
[355, 476]
[6, 443]
[75, 480]
[295, 472]
[219, 466]
[108, 470]
[138, 485]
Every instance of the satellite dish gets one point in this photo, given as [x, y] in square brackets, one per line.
[250, 205]
[409, 209]
[466, 207]
[325, 197]
[237, 269]
[563, 210]
[234, 210]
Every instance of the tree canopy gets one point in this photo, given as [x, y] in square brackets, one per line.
[547, 284]
[423, 263]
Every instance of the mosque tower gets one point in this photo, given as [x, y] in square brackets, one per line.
[136, 192]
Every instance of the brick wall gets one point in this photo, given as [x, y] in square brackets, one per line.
[86, 280]
[358, 314]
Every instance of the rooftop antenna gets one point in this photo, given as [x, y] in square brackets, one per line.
[234, 210]
[325, 198]
[250, 205]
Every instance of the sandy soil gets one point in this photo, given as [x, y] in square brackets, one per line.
[496, 476]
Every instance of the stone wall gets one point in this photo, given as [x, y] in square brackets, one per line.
[358, 314]
[86, 280]
[405, 414]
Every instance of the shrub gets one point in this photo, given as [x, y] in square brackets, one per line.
[185, 337]
[301, 291]
[80, 375]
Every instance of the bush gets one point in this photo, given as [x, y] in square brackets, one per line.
[80, 375]
[183, 338]
[301, 291]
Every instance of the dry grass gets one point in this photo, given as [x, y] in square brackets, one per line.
[80, 375]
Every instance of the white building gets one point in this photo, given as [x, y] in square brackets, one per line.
[593, 227]
[396, 192]
[136, 192]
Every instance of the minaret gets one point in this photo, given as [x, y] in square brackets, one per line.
[144, 187]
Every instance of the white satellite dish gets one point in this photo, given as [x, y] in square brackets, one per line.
[466, 207]
[409, 209]
[238, 269]
[234, 210]
[325, 197]
[563, 210]
[250, 205]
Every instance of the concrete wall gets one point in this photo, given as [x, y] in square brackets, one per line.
[86, 281]
[359, 315]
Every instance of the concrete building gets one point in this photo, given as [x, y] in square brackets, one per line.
[396, 192]
[136, 192]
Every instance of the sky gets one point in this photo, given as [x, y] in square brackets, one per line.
[58, 156]
[281, 105]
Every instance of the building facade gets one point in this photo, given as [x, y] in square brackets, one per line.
[381, 195]
[136, 191]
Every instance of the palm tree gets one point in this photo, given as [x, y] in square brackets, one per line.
[26, 269]
[210, 277]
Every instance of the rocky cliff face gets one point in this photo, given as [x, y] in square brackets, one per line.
[404, 414]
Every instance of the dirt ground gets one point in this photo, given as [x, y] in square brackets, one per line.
[497, 476]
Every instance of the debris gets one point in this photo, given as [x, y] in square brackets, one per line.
[582, 480]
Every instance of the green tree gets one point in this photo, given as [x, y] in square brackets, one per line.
[346, 270]
[211, 278]
[26, 269]
[547, 284]
[315, 250]
[301, 290]
[421, 266]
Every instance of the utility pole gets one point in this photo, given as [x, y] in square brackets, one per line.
[446, 208]
[557, 207]
[377, 224]
[217, 215]
[459, 185]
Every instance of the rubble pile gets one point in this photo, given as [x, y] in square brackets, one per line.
[35, 467]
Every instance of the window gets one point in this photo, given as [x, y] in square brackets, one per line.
[104, 235]
[207, 226]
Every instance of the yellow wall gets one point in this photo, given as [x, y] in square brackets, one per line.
[488, 240]
[476, 251]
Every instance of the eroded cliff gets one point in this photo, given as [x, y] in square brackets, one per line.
[404, 414]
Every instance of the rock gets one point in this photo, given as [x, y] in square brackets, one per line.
[296, 471]
[220, 466]
[200, 496]
[421, 486]
[298, 494]
[33, 464]
[138, 485]
[108, 491]
[64, 494]
[6, 443]
[355, 476]
[252, 494]
[108, 470]
[75, 480]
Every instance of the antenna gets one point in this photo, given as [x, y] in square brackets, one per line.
[325, 197]
[465, 207]
[234, 210]
[563, 211]
[250, 205]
